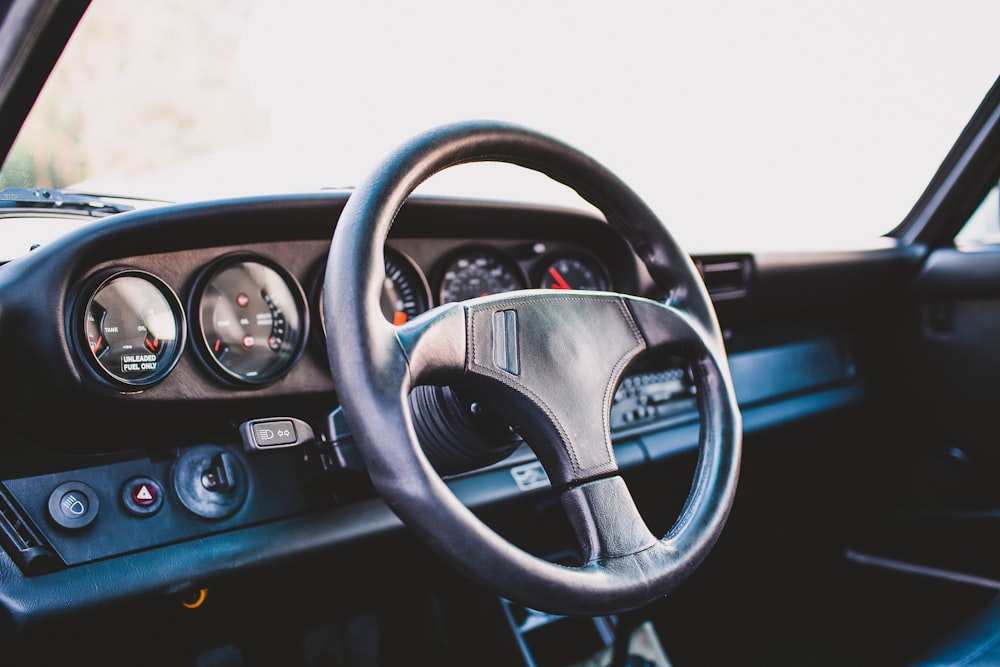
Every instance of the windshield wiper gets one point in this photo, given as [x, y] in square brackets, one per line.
[47, 198]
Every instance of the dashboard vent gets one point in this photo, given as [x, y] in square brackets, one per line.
[23, 544]
[725, 276]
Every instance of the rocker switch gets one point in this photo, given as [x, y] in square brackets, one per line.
[275, 433]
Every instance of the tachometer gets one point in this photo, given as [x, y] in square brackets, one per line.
[404, 293]
[133, 328]
[252, 320]
[479, 272]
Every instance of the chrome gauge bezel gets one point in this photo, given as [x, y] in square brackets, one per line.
[203, 345]
[94, 287]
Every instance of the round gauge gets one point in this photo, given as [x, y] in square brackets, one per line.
[404, 292]
[479, 272]
[252, 320]
[404, 295]
[574, 272]
[133, 326]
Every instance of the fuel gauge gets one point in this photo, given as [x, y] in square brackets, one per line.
[133, 328]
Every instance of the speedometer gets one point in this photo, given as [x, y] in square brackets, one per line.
[476, 272]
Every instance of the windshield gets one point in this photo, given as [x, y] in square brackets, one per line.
[743, 125]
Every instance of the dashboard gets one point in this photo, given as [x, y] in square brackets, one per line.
[249, 312]
[245, 319]
[175, 417]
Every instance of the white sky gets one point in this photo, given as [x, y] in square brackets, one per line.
[745, 125]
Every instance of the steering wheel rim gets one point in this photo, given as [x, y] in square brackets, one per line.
[375, 364]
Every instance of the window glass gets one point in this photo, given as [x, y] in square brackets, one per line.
[983, 226]
[744, 125]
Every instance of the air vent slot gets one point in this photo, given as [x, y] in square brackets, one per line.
[21, 540]
[725, 276]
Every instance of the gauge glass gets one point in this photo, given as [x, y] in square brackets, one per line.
[133, 328]
[404, 292]
[252, 321]
[479, 272]
[574, 272]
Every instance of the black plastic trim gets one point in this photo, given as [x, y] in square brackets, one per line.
[33, 34]
[960, 183]
[183, 566]
[951, 273]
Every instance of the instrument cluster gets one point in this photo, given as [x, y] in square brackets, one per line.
[247, 317]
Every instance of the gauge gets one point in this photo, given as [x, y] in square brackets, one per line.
[134, 328]
[252, 320]
[574, 271]
[479, 272]
[404, 292]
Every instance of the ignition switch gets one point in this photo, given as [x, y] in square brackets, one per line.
[219, 476]
[210, 481]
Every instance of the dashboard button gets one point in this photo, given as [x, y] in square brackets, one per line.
[73, 505]
[142, 496]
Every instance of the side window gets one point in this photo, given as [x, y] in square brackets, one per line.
[983, 227]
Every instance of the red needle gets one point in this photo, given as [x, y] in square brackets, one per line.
[560, 283]
[151, 345]
[97, 345]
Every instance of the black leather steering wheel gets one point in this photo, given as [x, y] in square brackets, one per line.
[550, 360]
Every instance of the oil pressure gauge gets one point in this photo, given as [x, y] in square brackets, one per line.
[251, 320]
[132, 328]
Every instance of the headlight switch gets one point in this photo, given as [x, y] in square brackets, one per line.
[261, 435]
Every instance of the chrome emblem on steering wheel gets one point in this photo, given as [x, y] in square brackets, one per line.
[505, 350]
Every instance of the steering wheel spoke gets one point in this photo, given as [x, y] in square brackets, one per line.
[606, 521]
[434, 345]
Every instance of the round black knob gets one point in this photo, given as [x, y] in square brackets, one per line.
[73, 505]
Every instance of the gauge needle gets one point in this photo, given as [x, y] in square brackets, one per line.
[560, 282]
[97, 345]
[152, 344]
[399, 318]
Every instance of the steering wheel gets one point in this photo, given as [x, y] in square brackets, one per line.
[550, 362]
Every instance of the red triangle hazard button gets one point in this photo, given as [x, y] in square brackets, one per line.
[143, 495]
